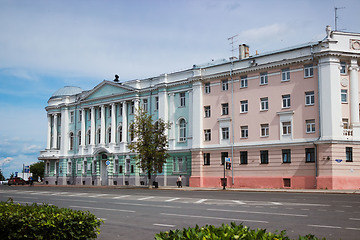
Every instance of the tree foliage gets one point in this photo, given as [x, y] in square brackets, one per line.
[38, 169]
[2, 178]
[149, 142]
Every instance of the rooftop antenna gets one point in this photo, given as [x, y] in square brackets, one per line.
[336, 16]
[231, 39]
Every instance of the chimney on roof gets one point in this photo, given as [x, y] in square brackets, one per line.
[116, 78]
[243, 51]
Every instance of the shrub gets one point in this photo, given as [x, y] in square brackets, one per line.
[225, 232]
[46, 222]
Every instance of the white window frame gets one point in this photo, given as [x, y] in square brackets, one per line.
[309, 98]
[264, 104]
[225, 109]
[156, 103]
[308, 71]
[145, 105]
[243, 82]
[286, 128]
[80, 115]
[225, 85]
[244, 132]
[264, 78]
[207, 88]
[343, 68]
[225, 135]
[310, 126]
[182, 130]
[244, 106]
[286, 101]
[72, 117]
[264, 130]
[207, 111]
[207, 135]
[182, 99]
[344, 96]
[71, 141]
[285, 74]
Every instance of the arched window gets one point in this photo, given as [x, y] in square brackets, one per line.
[71, 135]
[120, 131]
[88, 136]
[182, 130]
[98, 135]
[79, 137]
[109, 134]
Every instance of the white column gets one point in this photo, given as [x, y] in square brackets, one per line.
[354, 92]
[55, 135]
[48, 143]
[163, 105]
[65, 131]
[124, 122]
[83, 130]
[330, 98]
[103, 130]
[197, 115]
[92, 128]
[113, 123]
[172, 120]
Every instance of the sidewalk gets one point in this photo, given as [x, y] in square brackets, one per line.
[186, 188]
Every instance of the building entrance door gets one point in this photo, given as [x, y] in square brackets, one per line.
[103, 173]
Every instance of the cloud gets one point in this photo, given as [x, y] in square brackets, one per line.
[265, 32]
[6, 160]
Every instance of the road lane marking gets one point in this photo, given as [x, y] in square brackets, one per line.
[355, 219]
[269, 213]
[217, 218]
[325, 226]
[172, 199]
[276, 203]
[145, 198]
[238, 202]
[98, 195]
[123, 196]
[145, 205]
[201, 201]
[106, 209]
[76, 200]
[357, 229]
[163, 225]
[76, 194]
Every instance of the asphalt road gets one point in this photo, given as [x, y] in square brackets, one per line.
[140, 213]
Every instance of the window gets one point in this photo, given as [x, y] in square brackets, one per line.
[59, 120]
[264, 104]
[243, 82]
[285, 74]
[310, 126]
[71, 141]
[109, 135]
[263, 78]
[79, 138]
[80, 115]
[120, 134]
[182, 99]
[349, 154]
[344, 96]
[207, 88]
[286, 128]
[69, 168]
[243, 157]
[223, 156]
[116, 166]
[244, 131]
[110, 110]
[224, 109]
[345, 123]
[225, 133]
[309, 154]
[132, 107]
[156, 103]
[225, 85]
[89, 114]
[127, 167]
[308, 71]
[120, 109]
[264, 130]
[286, 101]
[286, 156]
[207, 111]
[85, 167]
[206, 158]
[207, 133]
[343, 67]
[182, 129]
[145, 105]
[179, 164]
[98, 135]
[244, 106]
[88, 136]
[309, 98]
[71, 116]
[264, 156]
[99, 113]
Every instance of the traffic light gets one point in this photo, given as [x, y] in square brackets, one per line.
[228, 165]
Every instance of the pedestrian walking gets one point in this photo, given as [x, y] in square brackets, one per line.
[179, 182]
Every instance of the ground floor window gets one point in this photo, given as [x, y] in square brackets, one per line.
[310, 154]
[243, 157]
[264, 156]
[286, 155]
[179, 164]
[349, 154]
[206, 158]
[223, 156]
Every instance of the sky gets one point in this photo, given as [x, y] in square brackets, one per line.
[47, 44]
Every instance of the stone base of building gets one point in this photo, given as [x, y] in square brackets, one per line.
[298, 182]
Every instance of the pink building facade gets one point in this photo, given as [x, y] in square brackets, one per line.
[286, 119]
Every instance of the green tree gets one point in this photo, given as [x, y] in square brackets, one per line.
[149, 142]
[38, 169]
[2, 178]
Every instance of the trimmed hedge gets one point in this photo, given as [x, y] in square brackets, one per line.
[46, 222]
[226, 232]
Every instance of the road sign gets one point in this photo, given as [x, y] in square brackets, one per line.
[338, 160]
[107, 163]
[227, 159]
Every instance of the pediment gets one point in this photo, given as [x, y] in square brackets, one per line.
[107, 88]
